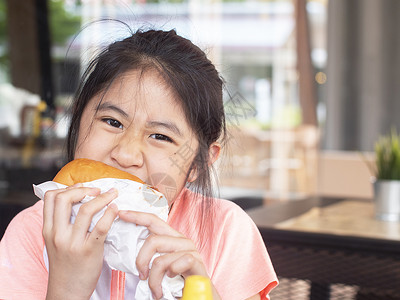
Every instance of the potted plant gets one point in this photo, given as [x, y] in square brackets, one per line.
[387, 177]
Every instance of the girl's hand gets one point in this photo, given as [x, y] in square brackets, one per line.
[75, 255]
[180, 256]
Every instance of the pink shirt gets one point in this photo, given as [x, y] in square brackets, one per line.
[235, 254]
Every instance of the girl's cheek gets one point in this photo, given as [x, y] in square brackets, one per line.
[165, 182]
[167, 172]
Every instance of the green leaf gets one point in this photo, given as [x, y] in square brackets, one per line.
[63, 24]
[387, 156]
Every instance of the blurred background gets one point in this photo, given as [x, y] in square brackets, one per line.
[310, 84]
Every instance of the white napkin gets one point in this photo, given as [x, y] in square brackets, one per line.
[124, 239]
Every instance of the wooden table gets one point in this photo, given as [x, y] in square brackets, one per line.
[333, 242]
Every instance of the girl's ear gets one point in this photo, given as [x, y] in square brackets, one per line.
[213, 154]
[192, 175]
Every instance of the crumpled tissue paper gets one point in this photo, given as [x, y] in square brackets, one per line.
[124, 239]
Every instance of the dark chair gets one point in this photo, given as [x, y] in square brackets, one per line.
[7, 212]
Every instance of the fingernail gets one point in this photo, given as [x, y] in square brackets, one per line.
[94, 191]
[112, 191]
[141, 276]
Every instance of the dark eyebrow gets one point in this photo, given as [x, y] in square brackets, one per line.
[168, 125]
[108, 106]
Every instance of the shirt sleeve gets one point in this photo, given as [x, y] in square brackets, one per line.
[23, 274]
[243, 266]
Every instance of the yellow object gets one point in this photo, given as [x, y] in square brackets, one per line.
[197, 288]
[28, 149]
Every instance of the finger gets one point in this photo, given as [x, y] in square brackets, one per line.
[156, 276]
[186, 264]
[88, 210]
[48, 211]
[160, 244]
[48, 208]
[102, 227]
[153, 223]
[63, 203]
[74, 186]
[174, 264]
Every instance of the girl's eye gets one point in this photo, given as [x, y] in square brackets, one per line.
[161, 137]
[113, 123]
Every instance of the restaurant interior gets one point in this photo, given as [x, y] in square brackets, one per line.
[311, 89]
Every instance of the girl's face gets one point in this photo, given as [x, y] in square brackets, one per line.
[138, 126]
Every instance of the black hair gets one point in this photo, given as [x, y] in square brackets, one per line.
[189, 73]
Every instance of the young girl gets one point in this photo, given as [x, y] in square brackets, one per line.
[150, 105]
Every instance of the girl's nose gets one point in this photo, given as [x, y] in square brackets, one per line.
[128, 153]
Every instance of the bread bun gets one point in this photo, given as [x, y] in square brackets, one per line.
[85, 170]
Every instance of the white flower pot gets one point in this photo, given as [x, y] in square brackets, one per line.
[387, 200]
